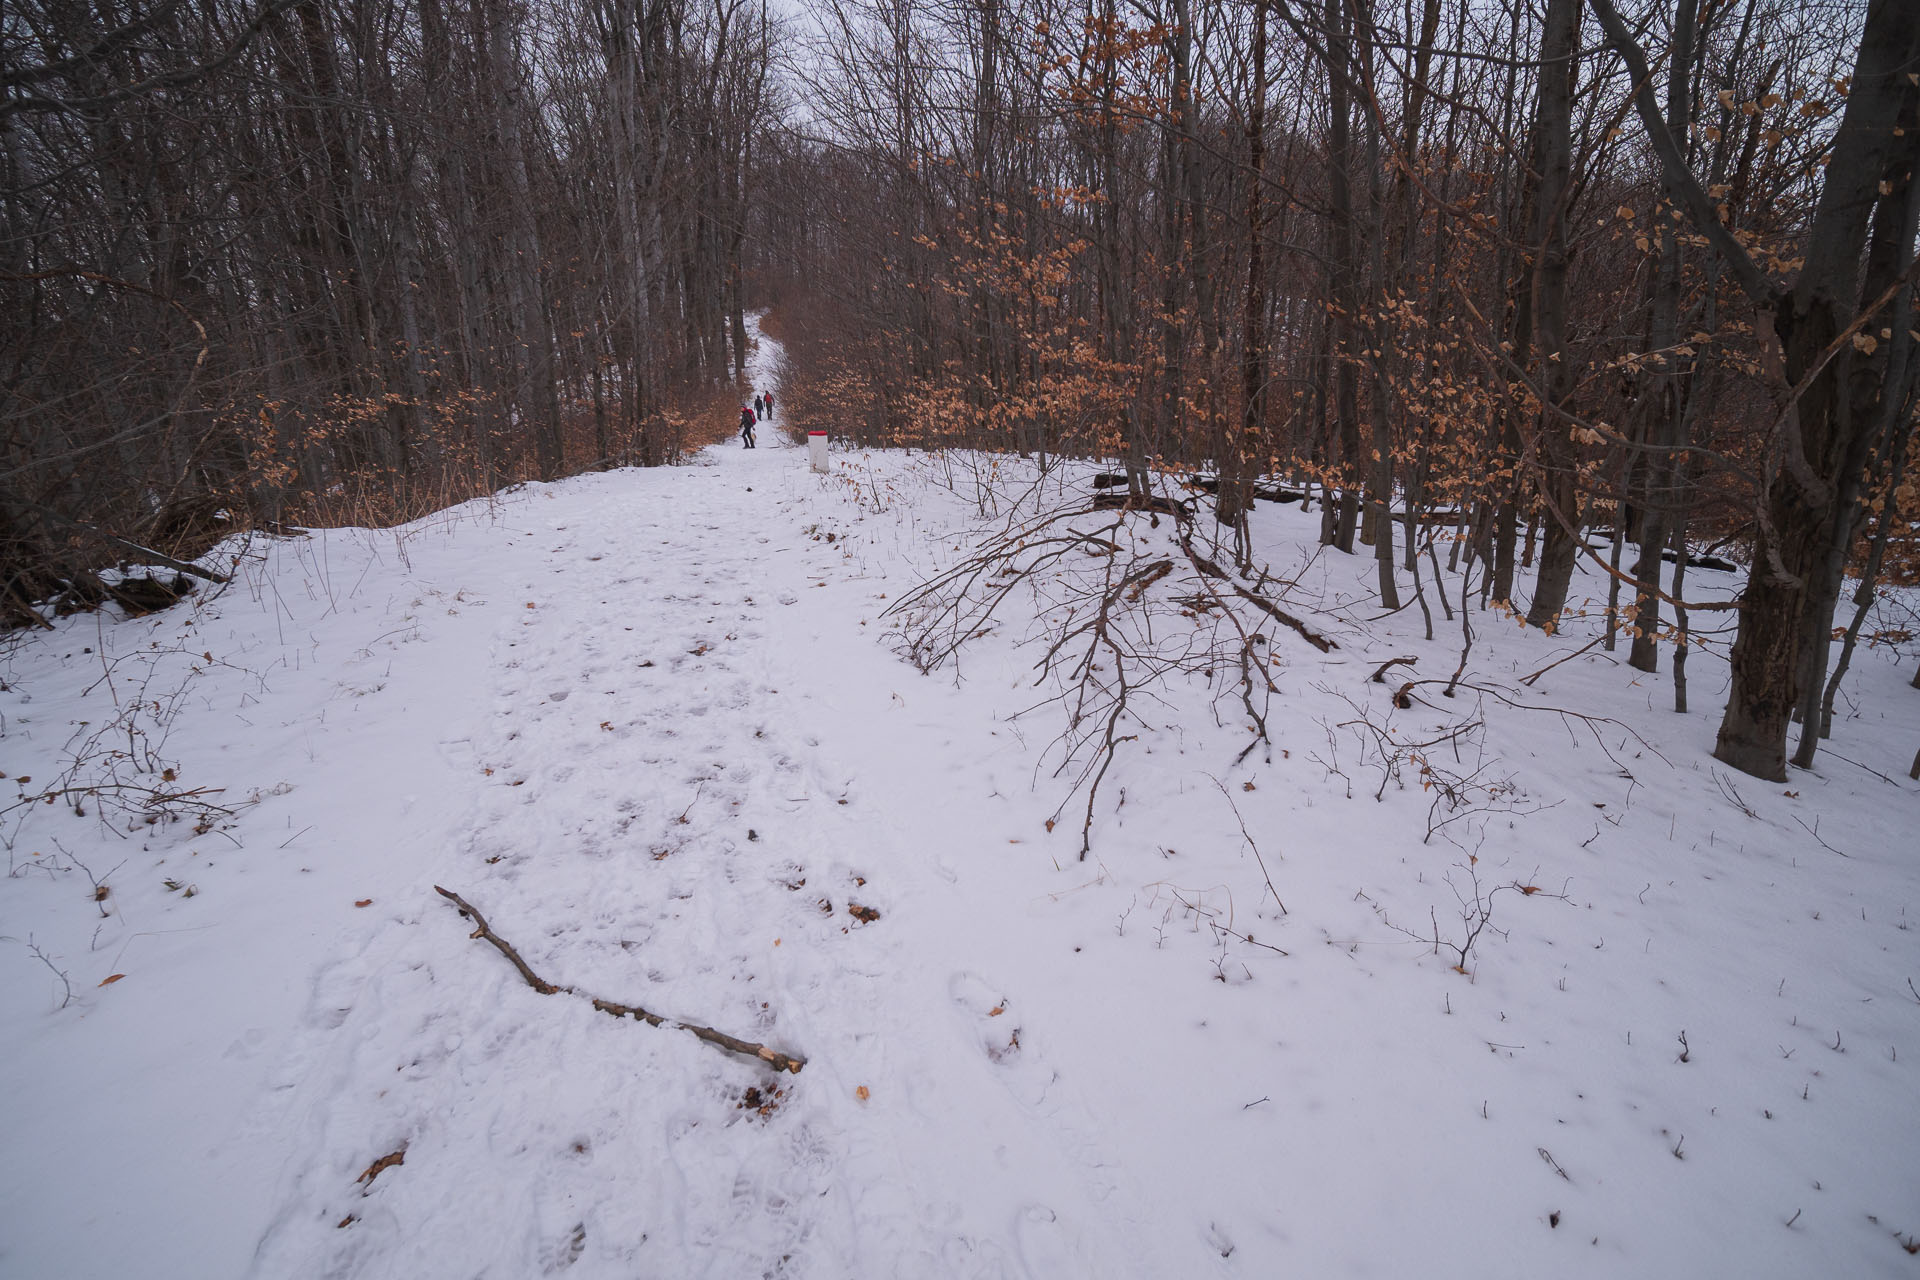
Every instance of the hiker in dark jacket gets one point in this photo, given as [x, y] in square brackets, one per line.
[746, 427]
[759, 406]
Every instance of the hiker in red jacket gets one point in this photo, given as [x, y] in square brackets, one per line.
[769, 400]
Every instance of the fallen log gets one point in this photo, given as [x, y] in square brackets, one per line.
[1277, 494]
[733, 1044]
[1695, 560]
[1702, 562]
[1151, 502]
[1206, 568]
[148, 594]
[1264, 492]
[1280, 615]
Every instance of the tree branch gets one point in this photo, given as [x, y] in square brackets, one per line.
[1759, 287]
[733, 1044]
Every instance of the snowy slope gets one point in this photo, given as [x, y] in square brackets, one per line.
[651, 725]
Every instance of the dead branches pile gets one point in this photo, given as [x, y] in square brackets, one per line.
[115, 768]
[1448, 761]
[1121, 605]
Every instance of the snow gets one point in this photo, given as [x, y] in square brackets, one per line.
[654, 725]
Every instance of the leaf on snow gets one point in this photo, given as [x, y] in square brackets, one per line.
[381, 1165]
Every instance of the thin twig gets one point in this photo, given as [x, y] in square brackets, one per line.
[1528, 680]
[1816, 835]
[42, 957]
[773, 1057]
[1248, 835]
[1856, 764]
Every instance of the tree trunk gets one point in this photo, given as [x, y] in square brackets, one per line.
[532, 322]
[1379, 337]
[1559, 44]
[1793, 582]
[1663, 401]
[1236, 491]
[1876, 402]
[1344, 268]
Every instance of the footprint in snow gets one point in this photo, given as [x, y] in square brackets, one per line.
[563, 1253]
[1047, 1246]
[985, 1011]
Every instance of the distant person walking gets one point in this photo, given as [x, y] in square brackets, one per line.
[769, 413]
[759, 406]
[746, 427]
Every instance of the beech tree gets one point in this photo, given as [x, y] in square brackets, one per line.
[1831, 348]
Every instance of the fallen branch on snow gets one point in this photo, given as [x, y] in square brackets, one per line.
[733, 1044]
[1206, 568]
[1379, 675]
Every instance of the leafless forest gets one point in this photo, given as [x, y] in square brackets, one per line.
[1511, 284]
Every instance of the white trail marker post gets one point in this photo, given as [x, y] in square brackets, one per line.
[817, 450]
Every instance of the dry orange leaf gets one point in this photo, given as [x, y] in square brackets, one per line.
[383, 1164]
[996, 1011]
[111, 978]
[364, 902]
[861, 1093]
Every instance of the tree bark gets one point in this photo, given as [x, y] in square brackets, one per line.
[1559, 47]
[1344, 267]
[1793, 583]
[1236, 490]
[1663, 396]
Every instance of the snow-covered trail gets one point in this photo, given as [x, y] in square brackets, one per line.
[645, 812]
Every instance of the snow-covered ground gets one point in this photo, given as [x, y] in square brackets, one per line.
[652, 725]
